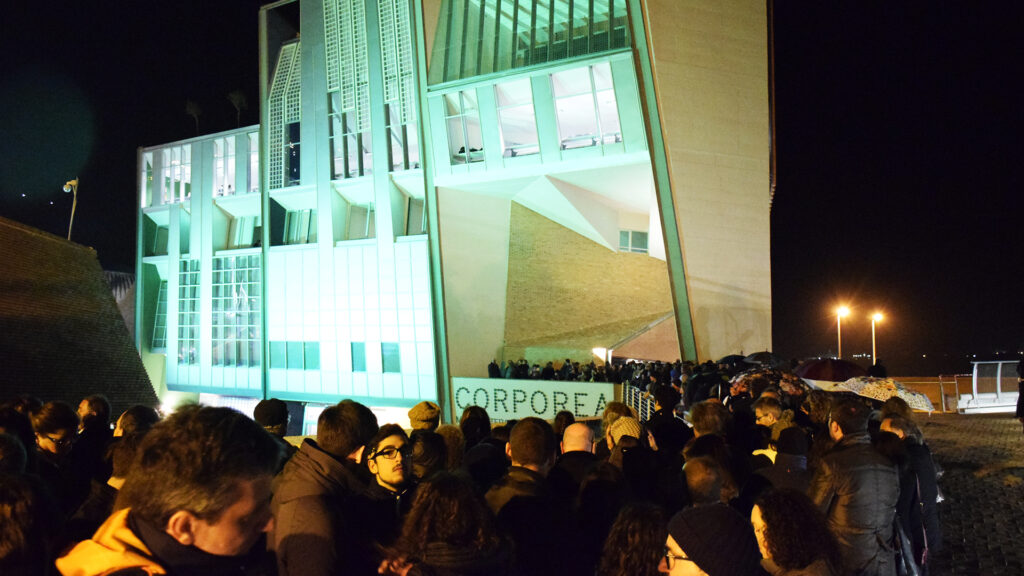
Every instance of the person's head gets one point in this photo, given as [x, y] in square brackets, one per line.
[23, 527]
[622, 427]
[712, 539]
[532, 445]
[612, 412]
[13, 457]
[56, 426]
[389, 457]
[709, 417]
[715, 447]
[792, 441]
[203, 476]
[578, 437]
[817, 406]
[848, 416]
[635, 543]
[703, 480]
[902, 427]
[897, 406]
[666, 397]
[447, 509]
[455, 444]
[122, 454]
[475, 425]
[17, 424]
[136, 420]
[767, 410]
[344, 429]
[94, 411]
[273, 415]
[424, 416]
[562, 421]
[792, 532]
[429, 453]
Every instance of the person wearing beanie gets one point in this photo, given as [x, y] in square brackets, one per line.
[712, 539]
[273, 415]
[424, 416]
[624, 426]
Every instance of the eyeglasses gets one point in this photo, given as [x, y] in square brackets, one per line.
[670, 559]
[60, 441]
[390, 453]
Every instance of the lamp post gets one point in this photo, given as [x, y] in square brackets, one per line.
[72, 187]
[876, 317]
[840, 312]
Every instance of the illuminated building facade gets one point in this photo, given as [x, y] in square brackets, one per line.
[575, 196]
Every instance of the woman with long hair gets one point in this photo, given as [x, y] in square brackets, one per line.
[636, 542]
[448, 532]
[793, 536]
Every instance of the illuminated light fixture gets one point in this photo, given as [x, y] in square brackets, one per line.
[71, 186]
[876, 317]
[840, 312]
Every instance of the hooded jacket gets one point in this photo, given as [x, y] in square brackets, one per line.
[315, 507]
[114, 547]
[856, 487]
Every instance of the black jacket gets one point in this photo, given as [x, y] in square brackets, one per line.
[918, 510]
[857, 488]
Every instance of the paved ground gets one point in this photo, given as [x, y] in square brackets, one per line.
[983, 515]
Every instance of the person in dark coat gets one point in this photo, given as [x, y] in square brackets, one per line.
[576, 460]
[56, 427]
[790, 467]
[1020, 391]
[857, 488]
[94, 435]
[670, 433]
[917, 508]
[273, 415]
[317, 497]
[389, 460]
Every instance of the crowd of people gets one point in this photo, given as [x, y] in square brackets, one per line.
[633, 372]
[819, 484]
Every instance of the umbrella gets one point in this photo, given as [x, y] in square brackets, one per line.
[826, 385]
[731, 359]
[765, 359]
[885, 388]
[757, 379]
[830, 369]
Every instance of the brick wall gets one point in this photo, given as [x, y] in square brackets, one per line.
[62, 335]
[567, 292]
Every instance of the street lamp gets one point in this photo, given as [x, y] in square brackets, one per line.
[72, 187]
[840, 312]
[876, 317]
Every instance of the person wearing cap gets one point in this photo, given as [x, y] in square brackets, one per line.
[712, 539]
[273, 415]
[624, 426]
[424, 416]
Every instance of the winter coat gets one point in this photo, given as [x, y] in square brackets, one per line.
[918, 511]
[817, 568]
[442, 559]
[316, 502]
[114, 547]
[857, 489]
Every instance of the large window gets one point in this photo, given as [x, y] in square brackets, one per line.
[224, 166]
[390, 357]
[516, 118]
[585, 106]
[146, 179]
[254, 162]
[351, 150]
[292, 167]
[633, 241]
[463, 117]
[177, 173]
[236, 311]
[188, 312]
[244, 232]
[159, 341]
[359, 356]
[295, 355]
[300, 227]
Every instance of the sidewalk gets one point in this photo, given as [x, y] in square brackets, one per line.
[983, 515]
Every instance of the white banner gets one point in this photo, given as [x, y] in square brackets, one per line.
[515, 399]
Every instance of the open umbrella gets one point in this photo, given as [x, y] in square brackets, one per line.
[830, 369]
[757, 379]
[731, 359]
[765, 359]
[885, 388]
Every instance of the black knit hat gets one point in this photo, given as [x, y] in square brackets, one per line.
[271, 412]
[717, 539]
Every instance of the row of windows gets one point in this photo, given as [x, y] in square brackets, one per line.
[236, 311]
[175, 165]
[585, 109]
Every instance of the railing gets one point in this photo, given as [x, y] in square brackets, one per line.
[992, 388]
[639, 401]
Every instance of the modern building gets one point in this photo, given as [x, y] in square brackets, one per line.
[438, 183]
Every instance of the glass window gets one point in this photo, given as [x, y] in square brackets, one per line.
[359, 357]
[392, 362]
[465, 142]
[292, 167]
[312, 355]
[300, 227]
[295, 355]
[159, 340]
[516, 118]
[361, 222]
[254, 162]
[278, 354]
[585, 106]
[633, 241]
[236, 311]
[146, 185]
[415, 220]
[224, 166]
[188, 312]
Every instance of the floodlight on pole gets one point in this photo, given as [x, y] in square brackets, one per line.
[71, 186]
[876, 317]
[840, 312]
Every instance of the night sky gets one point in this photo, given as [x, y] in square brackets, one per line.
[896, 131]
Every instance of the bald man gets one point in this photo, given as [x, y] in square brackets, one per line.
[576, 460]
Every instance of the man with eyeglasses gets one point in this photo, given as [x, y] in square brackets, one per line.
[318, 497]
[389, 459]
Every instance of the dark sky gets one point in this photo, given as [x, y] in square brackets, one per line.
[897, 124]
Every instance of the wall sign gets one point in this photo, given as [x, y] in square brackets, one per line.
[515, 399]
